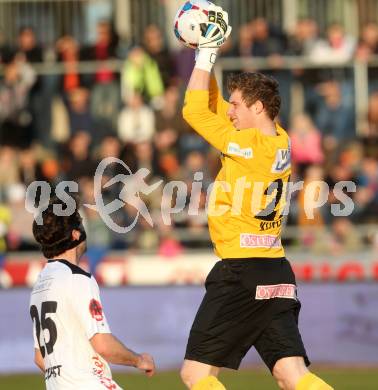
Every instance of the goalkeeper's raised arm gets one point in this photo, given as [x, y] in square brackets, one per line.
[207, 117]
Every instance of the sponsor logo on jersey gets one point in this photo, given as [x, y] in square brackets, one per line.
[270, 225]
[99, 371]
[95, 309]
[52, 372]
[248, 240]
[235, 149]
[276, 291]
[282, 161]
[99, 366]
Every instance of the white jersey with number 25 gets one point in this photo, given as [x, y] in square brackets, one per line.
[66, 310]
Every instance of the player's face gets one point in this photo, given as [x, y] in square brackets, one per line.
[241, 115]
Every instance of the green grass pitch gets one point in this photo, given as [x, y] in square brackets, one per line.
[340, 379]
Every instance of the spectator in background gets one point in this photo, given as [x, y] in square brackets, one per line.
[351, 156]
[28, 46]
[169, 245]
[8, 168]
[195, 162]
[105, 93]
[367, 48]
[309, 217]
[372, 116]
[243, 46]
[270, 42]
[104, 48]
[342, 169]
[29, 168]
[77, 161]
[366, 197]
[145, 156]
[345, 238]
[20, 235]
[302, 41]
[368, 43]
[304, 37]
[169, 125]
[197, 227]
[141, 74]
[191, 142]
[168, 165]
[110, 147]
[267, 40]
[40, 95]
[153, 43]
[98, 234]
[184, 62]
[136, 121]
[79, 114]
[334, 116]
[338, 48]
[169, 115]
[336, 87]
[4, 47]
[69, 54]
[60, 121]
[195, 167]
[16, 121]
[306, 143]
[312, 173]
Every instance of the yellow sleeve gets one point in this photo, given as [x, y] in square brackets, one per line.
[212, 127]
[216, 102]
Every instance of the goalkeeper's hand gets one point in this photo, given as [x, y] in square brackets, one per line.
[214, 33]
[216, 30]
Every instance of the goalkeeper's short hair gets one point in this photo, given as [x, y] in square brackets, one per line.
[257, 86]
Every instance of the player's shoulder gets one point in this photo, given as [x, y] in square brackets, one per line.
[273, 143]
[70, 268]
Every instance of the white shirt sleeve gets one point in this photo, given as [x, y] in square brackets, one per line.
[87, 305]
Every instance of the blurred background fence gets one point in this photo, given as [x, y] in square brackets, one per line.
[54, 18]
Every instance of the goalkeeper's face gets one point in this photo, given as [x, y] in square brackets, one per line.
[242, 116]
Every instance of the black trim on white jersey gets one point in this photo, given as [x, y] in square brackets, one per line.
[74, 268]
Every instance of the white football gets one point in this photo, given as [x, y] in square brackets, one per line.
[188, 19]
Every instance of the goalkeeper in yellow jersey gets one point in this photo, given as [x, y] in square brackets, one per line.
[250, 295]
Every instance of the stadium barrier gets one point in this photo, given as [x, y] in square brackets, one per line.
[128, 269]
[338, 322]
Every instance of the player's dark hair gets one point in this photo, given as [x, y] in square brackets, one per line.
[257, 86]
[55, 233]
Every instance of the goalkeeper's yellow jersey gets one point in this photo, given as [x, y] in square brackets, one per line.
[249, 194]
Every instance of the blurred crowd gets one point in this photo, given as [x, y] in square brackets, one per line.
[56, 127]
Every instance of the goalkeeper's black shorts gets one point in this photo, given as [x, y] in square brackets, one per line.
[248, 302]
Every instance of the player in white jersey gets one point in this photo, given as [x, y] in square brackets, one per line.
[72, 340]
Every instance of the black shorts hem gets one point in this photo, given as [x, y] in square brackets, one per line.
[212, 362]
[277, 357]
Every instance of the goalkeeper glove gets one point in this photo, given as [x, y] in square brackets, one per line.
[214, 34]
